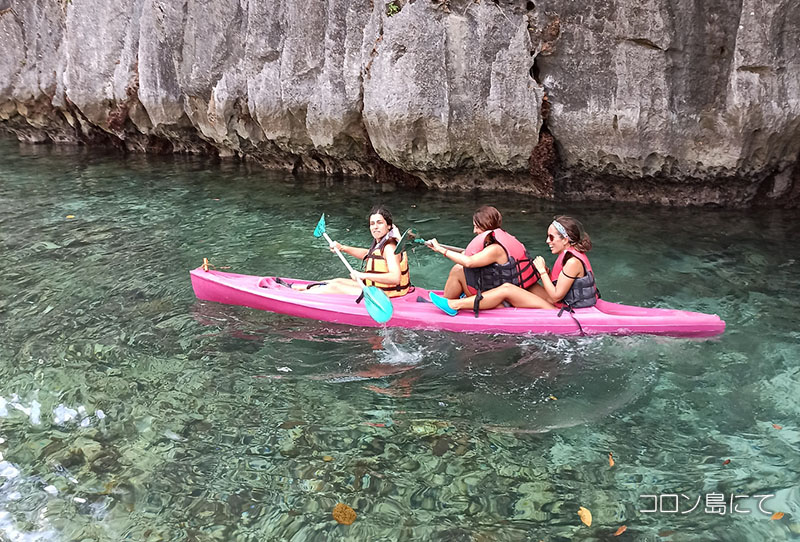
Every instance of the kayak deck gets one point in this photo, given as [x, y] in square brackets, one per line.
[415, 312]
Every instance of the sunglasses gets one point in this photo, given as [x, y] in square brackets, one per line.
[551, 237]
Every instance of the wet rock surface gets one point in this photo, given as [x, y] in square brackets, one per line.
[678, 103]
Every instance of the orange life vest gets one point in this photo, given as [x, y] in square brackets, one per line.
[374, 262]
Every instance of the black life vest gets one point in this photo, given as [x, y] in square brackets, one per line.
[518, 270]
[583, 292]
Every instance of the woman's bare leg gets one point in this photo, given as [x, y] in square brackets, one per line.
[456, 283]
[538, 289]
[515, 295]
[335, 286]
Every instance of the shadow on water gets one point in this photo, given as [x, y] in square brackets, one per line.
[507, 383]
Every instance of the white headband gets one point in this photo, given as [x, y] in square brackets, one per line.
[561, 229]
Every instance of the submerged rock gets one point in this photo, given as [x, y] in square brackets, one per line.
[675, 104]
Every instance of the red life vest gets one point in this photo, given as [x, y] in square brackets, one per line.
[518, 270]
[583, 292]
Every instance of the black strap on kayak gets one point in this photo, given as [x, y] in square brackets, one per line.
[476, 305]
[571, 312]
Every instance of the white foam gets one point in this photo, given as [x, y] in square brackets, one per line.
[36, 412]
[391, 354]
[22, 408]
[62, 414]
[8, 470]
[172, 435]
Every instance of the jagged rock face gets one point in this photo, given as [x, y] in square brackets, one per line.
[706, 93]
[678, 101]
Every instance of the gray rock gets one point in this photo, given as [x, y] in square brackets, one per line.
[674, 102]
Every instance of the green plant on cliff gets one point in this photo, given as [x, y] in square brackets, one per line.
[392, 8]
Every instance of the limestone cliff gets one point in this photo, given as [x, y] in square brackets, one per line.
[672, 101]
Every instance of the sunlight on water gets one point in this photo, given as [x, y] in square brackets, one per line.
[131, 411]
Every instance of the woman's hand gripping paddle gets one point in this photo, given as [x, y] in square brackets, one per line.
[410, 236]
[379, 307]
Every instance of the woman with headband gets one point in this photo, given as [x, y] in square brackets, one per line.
[571, 284]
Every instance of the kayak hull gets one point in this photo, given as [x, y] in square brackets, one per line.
[263, 293]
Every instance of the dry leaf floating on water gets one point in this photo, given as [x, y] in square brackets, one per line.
[777, 515]
[344, 514]
[585, 515]
[621, 530]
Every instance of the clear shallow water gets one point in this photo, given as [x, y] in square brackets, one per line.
[130, 411]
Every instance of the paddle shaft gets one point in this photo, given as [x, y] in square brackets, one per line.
[447, 247]
[414, 235]
[341, 257]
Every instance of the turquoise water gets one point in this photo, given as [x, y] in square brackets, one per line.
[131, 411]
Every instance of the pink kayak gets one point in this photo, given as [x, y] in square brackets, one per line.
[264, 293]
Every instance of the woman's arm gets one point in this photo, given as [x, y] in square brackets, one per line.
[355, 252]
[572, 269]
[393, 276]
[494, 253]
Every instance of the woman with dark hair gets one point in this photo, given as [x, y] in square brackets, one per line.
[492, 258]
[571, 282]
[383, 268]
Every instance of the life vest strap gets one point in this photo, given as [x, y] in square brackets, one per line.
[477, 304]
[571, 312]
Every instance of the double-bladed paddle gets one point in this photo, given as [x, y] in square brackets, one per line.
[377, 302]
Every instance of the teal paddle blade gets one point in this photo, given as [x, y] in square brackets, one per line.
[378, 304]
[319, 231]
[403, 241]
